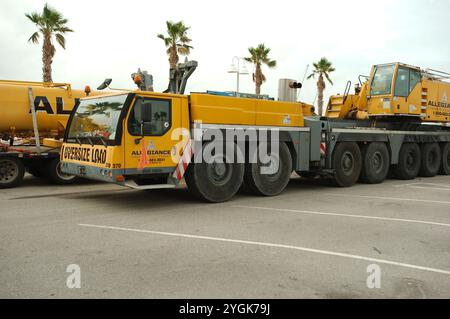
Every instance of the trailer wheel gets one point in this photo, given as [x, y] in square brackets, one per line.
[375, 163]
[269, 183]
[54, 174]
[431, 159]
[217, 181]
[409, 162]
[347, 164]
[445, 163]
[11, 172]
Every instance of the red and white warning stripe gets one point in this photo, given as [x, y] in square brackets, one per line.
[323, 149]
[184, 161]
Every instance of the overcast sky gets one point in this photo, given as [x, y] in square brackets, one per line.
[114, 38]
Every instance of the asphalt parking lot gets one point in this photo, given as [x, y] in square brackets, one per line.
[313, 241]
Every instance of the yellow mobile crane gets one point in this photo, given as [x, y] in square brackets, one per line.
[136, 138]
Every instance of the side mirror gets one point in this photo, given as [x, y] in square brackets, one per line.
[105, 84]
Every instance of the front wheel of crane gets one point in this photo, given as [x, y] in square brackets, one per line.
[408, 162]
[431, 159]
[56, 176]
[271, 178]
[445, 163]
[216, 179]
[12, 171]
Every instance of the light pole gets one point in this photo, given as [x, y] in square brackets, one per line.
[236, 68]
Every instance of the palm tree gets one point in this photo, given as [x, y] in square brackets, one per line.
[322, 68]
[177, 41]
[259, 56]
[50, 23]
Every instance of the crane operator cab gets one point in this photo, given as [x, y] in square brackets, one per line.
[398, 89]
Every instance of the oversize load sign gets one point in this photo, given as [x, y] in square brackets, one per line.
[84, 154]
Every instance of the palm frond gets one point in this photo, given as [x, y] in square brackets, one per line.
[61, 40]
[34, 38]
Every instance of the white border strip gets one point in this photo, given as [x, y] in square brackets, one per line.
[256, 243]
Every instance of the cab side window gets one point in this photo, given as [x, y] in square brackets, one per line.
[402, 82]
[161, 117]
[414, 78]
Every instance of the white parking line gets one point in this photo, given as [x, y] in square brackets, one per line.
[391, 198]
[344, 215]
[432, 188]
[256, 243]
[422, 183]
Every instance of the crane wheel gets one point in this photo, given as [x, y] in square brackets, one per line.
[218, 180]
[375, 167]
[347, 164]
[53, 172]
[269, 179]
[12, 171]
[431, 160]
[409, 162]
[445, 163]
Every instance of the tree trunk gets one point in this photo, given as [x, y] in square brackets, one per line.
[173, 57]
[320, 89]
[258, 78]
[48, 51]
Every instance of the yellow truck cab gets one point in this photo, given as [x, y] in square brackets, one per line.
[106, 136]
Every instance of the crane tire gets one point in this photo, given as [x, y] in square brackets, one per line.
[445, 162]
[347, 164]
[260, 183]
[215, 182]
[375, 159]
[431, 159]
[409, 162]
[53, 173]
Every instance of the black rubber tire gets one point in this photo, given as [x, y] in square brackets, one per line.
[445, 162]
[375, 163]
[347, 164]
[431, 159]
[269, 184]
[409, 162]
[55, 176]
[201, 183]
[12, 171]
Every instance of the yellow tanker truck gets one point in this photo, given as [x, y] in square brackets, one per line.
[219, 142]
[32, 122]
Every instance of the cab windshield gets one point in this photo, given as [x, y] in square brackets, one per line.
[95, 120]
[382, 80]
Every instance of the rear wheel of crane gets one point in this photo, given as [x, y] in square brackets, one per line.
[56, 176]
[218, 180]
[408, 162]
[12, 171]
[431, 159]
[269, 179]
[445, 163]
[375, 163]
[347, 163]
